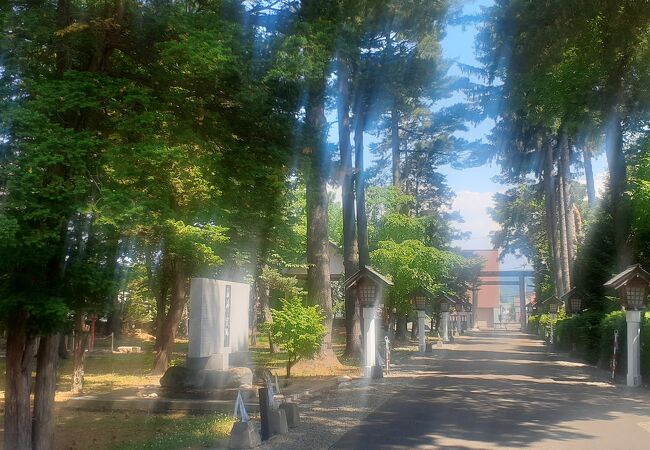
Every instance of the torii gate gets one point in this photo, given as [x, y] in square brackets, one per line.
[521, 274]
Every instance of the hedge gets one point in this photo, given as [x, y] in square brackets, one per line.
[590, 336]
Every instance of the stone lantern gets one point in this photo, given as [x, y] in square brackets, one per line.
[631, 285]
[553, 304]
[572, 301]
[369, 286]
[445, 303]
[419, 299]
[466, 306]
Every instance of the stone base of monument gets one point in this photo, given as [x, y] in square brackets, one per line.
[184, 382]
[291, 412]
[376, 372]
[278, 422]
[248, 394]
[217, 361]
[244, 435]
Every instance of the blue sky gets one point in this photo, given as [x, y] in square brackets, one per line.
[475, 187]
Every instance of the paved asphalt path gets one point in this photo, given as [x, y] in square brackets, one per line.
[504, 390]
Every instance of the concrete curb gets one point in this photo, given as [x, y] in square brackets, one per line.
[153, 405]
[316, 390]
[113, 402]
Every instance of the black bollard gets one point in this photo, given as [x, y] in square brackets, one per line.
[264, 412]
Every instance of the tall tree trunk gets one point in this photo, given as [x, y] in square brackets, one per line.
[114, 322]
[63, 350]
[350, 247]
[62, 55]
[564, 243]
[318, 274]
[551, 218]
[253, 318]
[568, 200]
[44, 390]
[109, 37]
[79, 353]
[360, 188]
[577, 219]
[619, 200]
[265, 304]
[168, 333]
[400, 332]
[395, 148]
[18, 375]
[161, 305]
[589, 178]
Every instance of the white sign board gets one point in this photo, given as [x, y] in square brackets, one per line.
[218, 322]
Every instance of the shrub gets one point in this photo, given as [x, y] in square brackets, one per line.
[547, 325]
[567, 333]
[591, 336]
[533, 324]
[608, 325]
[645, 345]
[544, 329]
[587, 335]
[298, 329]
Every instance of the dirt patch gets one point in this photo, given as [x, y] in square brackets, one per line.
[323, 366]
[140, 335]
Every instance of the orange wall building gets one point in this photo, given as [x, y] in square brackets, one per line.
[488, 295]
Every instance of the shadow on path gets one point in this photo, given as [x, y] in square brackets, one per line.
[502, 390]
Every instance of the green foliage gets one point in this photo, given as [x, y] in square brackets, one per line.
[640, 194]
[581, 75]
[164, 135]
[385, 199]
[614, 321]
[195, 246]
[335, 223]
[137, 301]
[645, 345]
[411, 264]
[582, 333]
[280, 286]
[591, 336]
[520, 212]
[298, 329]
[595, 263]
[544, 327]
[399, 228]
[533, 324]
[191, 431]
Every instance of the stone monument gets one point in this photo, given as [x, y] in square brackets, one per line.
[218, 326]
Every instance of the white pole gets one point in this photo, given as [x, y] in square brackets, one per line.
[633, 319]
[445, 327]
[423, 346]
[552, 325]
[369, 331]
[474, 323]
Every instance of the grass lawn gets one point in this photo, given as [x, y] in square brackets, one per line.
[77, 430]
[105, 371]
